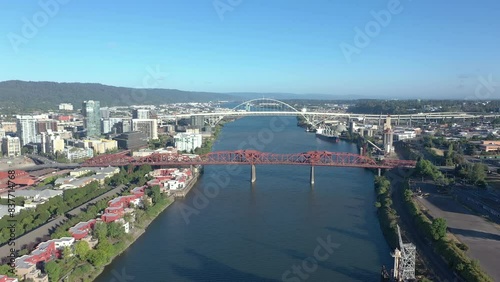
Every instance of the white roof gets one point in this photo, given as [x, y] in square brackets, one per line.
[45, 194]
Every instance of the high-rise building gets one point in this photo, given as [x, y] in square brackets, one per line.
[91, 111]
[112, 125]
[105, 125]
[140, 114]
[26, 129]
[131, 140]
[125, 125]
[9, 126]
[149, 127]
[51, 143]
[187, 142]
[11, 146]
[198, 121]
[105, 112]
[45, 125]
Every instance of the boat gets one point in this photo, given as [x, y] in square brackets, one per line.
[327, 134]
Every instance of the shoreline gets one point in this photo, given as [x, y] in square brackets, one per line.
[139, 232]
[136, 236]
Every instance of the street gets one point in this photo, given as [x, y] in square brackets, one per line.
[45, 230]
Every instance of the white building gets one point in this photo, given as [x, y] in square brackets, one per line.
[26, 129]
[73, 153]
[35, 195]
[404, 134]
[65, 107]
[11, 146]
[149, 127]
[188, 142]
[52, 143]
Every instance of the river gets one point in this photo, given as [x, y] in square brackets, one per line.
[278, 229]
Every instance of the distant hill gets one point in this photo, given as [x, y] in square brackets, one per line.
[28, 95]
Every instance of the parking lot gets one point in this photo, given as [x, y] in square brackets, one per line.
[481, 236]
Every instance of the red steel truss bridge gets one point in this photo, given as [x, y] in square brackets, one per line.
[252, 158]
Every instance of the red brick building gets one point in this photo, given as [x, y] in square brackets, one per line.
[82, 229]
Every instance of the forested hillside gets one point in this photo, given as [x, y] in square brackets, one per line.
[17, 95]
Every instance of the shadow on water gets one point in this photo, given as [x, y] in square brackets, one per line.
[353, 272]
[474, 233]
[212, 270]
[352, 234]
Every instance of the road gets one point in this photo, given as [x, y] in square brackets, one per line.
[43, 162]
[46, 229]
[482, 237]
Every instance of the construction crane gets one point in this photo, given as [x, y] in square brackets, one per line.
[404, 260]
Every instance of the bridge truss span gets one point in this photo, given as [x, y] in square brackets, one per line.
[250, 157]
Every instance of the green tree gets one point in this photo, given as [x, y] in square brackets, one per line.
[438, 228]
[105, 246]
[53, 270]
[424, 168]
[115, 230]
[477, 174]
[6, 269]
[97, 257]
[66, 253]
[155, 194]
[100, 231]
[81, 249]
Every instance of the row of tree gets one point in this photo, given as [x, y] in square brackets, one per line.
[29, 219]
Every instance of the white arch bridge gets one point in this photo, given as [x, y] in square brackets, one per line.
[273, 107]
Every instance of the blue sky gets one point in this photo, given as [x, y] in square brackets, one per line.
[429, 48]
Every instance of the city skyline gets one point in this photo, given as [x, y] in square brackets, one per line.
[236, 140]
[371, 48]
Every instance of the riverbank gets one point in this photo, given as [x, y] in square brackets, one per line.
[184, 191]
[137, 233]
[388, 205]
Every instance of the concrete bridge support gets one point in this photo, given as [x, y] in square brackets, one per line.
[312, 175]
[379, 171]
[253, 176]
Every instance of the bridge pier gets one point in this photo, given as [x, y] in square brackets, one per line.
[253, 176]
[312, 175]
[379, 171]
